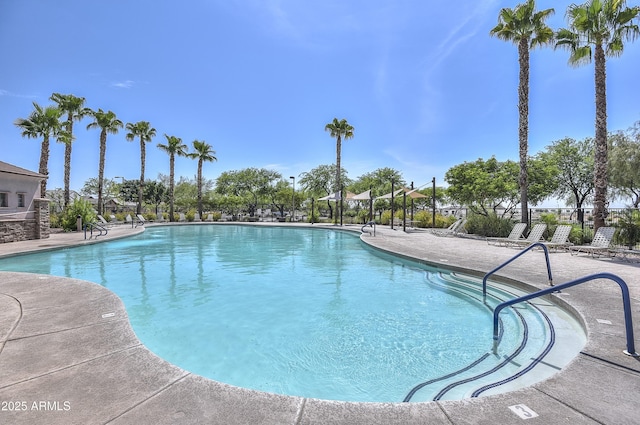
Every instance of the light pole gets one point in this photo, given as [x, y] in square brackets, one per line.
[293, 200]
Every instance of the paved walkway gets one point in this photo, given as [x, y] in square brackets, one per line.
[69, 356]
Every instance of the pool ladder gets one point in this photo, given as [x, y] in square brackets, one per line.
[626, 301]
[102, 230]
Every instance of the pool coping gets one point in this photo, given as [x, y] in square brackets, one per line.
[67, 351]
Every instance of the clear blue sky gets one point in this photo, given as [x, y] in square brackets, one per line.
[423, 83]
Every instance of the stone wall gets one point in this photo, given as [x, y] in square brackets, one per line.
[16, 230]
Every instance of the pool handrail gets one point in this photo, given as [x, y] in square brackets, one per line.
[99, 227]
[530, 247]
[371, 224]
[626, 303]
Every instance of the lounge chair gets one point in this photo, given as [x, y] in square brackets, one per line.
[209, 217]
[599, 245]
[514, 236]
[534, 236]
[140, 220]
[560, 238]
[455, 228]
[182, 218]
[102, 221]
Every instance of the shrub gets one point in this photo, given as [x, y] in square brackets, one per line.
[190, 215]
[363, 216]
[79, 207]
[425, 219]
[628, 231]
[216, 215]
[490, 225]
[385, 217]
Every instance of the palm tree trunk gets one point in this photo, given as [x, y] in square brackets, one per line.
[43, 168]
[523, 127]
[140, 186]
[67, 161]
[103, 151]
[337, 189]
[200, 187]
[171, 185]
[600, 168]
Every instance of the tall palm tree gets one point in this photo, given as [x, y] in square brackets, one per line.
[339, 129]
[203, 152]
[108, 123]
[598, 28]
[45, 123]
[145, 132]
[173, 147]
[525, 27]
[74, 108]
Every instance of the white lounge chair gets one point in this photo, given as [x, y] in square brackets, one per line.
[140, 220]
[455, 228]
[514, 236]
[599, 245]
[560, 238]
[534, 236]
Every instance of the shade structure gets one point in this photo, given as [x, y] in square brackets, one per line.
[390, 195]
[362, 196]
[331, 197]
[415, 194]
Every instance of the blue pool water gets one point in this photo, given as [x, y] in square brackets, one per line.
[306, 312]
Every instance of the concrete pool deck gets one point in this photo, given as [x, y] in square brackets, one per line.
[69, 356]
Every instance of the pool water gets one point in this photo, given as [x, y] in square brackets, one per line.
[305, 312]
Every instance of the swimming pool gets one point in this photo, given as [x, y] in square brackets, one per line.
[308, 312]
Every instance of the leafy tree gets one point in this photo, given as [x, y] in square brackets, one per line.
[251, 184]
[144, 131]
[526, 28]
[379, 181]
[573, 161]
[79, 207]
[339, 129]
[74, 108]
[598, 28]
[108, 124]
[42, 123]
[173, 147]
[186, 193]
[202, 152]
[155, 193]
[624, 164]
[483, 186]
[320, 181]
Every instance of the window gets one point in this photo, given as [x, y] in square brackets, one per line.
[4, 199]
[21, 198]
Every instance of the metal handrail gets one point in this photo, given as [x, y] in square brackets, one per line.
[96, 226]
[530, 247]
[626, 303]
[371, 224]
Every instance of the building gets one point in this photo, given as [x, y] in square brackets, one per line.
[24, 215]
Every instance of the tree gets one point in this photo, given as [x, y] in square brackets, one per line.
[624, 164]
[173, 147]
[484, 186]
[155, 193]
[203, 152]
[42, 123]
[320, 181]
[527, 29]
[251, 184]
[74, 108]
[598, 28]
[573, 161]
[339, 129]
[108, 123]
[144, 131]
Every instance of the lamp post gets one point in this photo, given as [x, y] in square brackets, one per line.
[293, 199]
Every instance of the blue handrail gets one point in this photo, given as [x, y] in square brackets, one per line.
[626, 303]
[530, 247]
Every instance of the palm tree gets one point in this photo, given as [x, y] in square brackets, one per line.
[45, 123]
[74, 107]
[339, 129]
[203, 152]
[108, 123]
[145, 132]
[525, 27]
[598, 28]
[173, 147]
